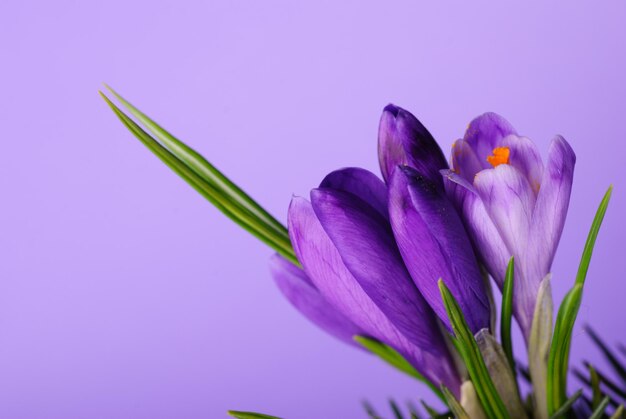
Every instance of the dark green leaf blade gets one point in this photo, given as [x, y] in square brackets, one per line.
[453, 403]
[369, 409]
[250, 415]
[470, 352]
[599, 412]
[609, 383]
[432, 413]
[567, 405]
[608, 354]
[507, 314]
[595, 387]
[397, 413]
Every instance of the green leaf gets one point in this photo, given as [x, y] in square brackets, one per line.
[487, 394]
[608, 354]
[242, 217]
[369, 409]
[507, 315]
[432, 413]
[453, 403]
[393, 358]
[592, 236]
[412, 411]
[599, 412]
[608, 383]
[595, 387]
[250, 415]
[395, 409]
[567, 405]
[202, 167]
[560, 348]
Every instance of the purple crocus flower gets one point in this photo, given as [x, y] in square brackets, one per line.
[511, 204]
[344, 241]
[429, 232]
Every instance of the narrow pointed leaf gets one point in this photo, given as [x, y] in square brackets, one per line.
[560, 347]
[393, 358]
[492, 404]
[454, 404]
[507, 314]
[592, 236]
[241, 216]
[250, 415]
[595, 387]
[599, 411]
[432, 413]
[369, 409]
[608, 383]
[395, 409]
[413, 411]
[610, 356]
[201, 166]
[567, 405]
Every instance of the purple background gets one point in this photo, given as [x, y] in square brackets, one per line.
[123, 294]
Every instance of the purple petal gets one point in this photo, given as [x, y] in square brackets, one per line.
[323, 265]
[365, 242]
[484, 134]
[465, 161]
[551, 207]
[509, 200]
[525, 157]
[303, 295]
[403, 140]
[490, 248]
[434, 244]
[362, 183]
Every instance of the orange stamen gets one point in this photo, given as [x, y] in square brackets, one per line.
[500, 156]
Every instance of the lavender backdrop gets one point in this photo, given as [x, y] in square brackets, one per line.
[123, 294]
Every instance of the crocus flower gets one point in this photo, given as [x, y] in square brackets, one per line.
[344, 242]
[427, 228]
[511, 204]
[403, 140]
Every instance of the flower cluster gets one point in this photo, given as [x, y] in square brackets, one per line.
[402, 266]
[372, 251]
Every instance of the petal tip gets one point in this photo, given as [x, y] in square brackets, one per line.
[392, 109]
